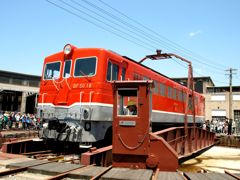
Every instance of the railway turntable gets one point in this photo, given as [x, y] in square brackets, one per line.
[135, 145]
[137, 152]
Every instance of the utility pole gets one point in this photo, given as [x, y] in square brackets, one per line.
[231, 72]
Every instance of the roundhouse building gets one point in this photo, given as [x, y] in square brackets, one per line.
[18, 91]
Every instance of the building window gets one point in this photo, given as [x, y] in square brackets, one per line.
[4, 79]
[219, 112]
[17, 81]
[218, 97]
[236, 97]
[237, 115]
[25, 83]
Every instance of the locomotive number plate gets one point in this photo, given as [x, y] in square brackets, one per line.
[127, 123]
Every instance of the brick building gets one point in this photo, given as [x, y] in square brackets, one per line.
[217, 99]
[217, 102]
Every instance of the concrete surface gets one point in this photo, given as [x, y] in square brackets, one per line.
[86, 173]
[127, 173]
[208, 176]
[216, 159]
[53, 168]
[31, 162]
[162, 175]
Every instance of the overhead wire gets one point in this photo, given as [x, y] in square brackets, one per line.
[97, 25]
[106, 24]
[102, 27]
[149, 36]
[194, 72]
[109, 20]
[157, 34]
[127, 25]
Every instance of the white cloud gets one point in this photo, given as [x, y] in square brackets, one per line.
[192, 34]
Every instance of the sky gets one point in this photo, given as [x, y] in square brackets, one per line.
[204, 32]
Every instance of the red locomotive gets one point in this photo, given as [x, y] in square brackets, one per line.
[76, 100]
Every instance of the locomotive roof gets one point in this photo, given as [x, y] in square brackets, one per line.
[156, 72]
[126, 57]
[145, 66]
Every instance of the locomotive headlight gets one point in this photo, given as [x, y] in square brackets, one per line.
[85, 114]
[67, 49]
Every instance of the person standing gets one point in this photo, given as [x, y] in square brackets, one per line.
[23, 121]
[1, 121]
[17, 117]
[233, 127]
[5, 120]
[230, 127]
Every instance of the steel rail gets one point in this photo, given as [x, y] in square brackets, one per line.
[36, 152]
[64, 174]
[17, 170]
[101, 173]
[231, 174]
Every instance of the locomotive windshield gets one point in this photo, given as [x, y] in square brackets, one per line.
[52, 70]
[67, 68]
[85, 67]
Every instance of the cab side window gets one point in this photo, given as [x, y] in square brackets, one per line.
[112, 71]
[123, 73]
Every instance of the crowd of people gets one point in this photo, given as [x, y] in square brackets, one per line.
[17, 120]
[227, 126]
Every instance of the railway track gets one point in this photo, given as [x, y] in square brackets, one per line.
[67, 169]
[62, 169]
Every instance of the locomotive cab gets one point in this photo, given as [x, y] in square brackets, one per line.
[68, 90]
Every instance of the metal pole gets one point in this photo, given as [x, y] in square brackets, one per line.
[160, 55]
[230, 91]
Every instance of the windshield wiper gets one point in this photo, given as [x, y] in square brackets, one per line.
[85, 76]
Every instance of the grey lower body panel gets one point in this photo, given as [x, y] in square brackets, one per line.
[98, 117]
